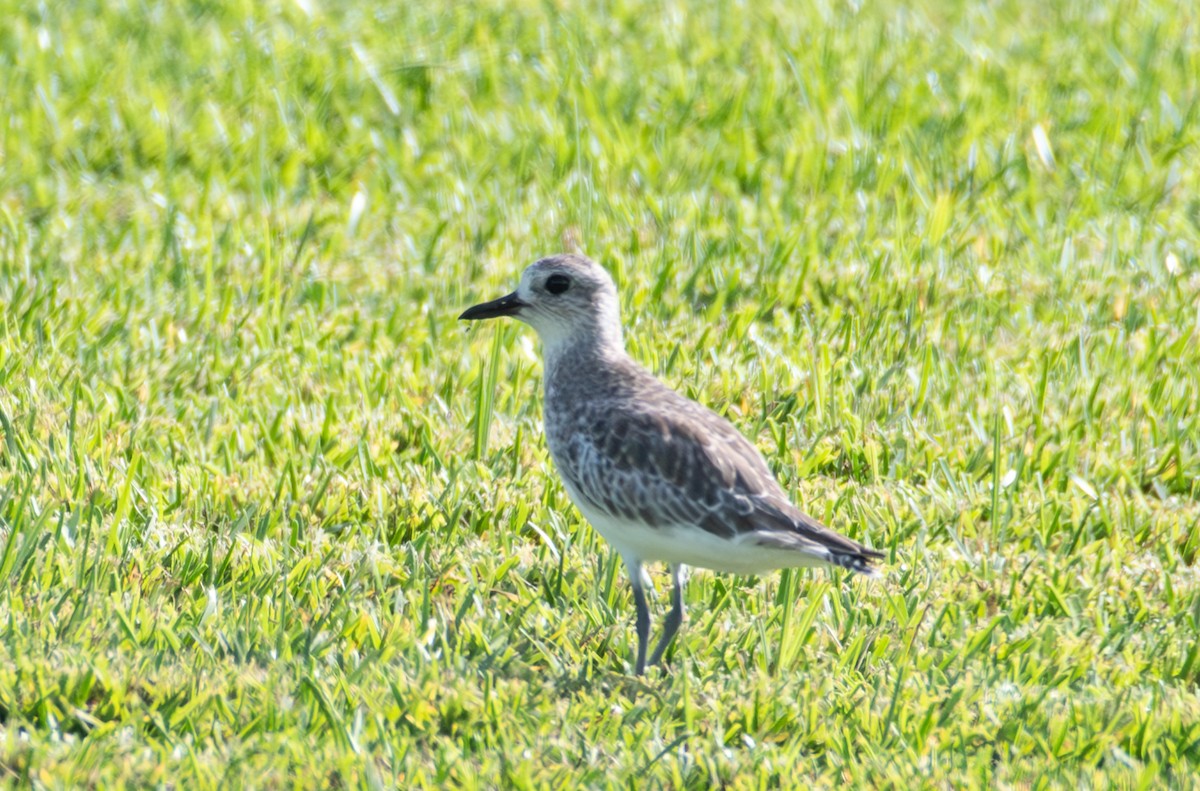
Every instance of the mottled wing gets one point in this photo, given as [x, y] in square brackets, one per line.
[677, 463]
[649, 466]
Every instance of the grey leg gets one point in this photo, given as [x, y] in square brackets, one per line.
[675, 617]
[643, 612]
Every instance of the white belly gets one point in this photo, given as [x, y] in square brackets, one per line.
[695, 546]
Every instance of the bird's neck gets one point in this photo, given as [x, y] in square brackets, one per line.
[594, 347]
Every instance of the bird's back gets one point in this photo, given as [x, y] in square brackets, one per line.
[642, 460]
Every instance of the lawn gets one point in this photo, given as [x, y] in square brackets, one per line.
[271, 516]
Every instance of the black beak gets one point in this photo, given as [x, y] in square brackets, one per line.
[508, 305]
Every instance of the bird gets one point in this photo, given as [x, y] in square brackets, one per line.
[661, 477]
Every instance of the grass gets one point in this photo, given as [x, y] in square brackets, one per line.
[270, 516]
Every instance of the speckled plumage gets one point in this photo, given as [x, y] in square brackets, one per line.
[630, 449]
[661, 477]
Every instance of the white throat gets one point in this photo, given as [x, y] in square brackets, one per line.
[579, 343]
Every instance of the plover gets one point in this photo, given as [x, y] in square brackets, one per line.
[662, 478]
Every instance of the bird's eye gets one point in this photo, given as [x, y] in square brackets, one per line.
[557, 284]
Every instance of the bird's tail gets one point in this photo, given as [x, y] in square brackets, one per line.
[786, 527]
[861, 561]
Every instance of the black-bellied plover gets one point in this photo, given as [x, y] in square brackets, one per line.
[660, 476]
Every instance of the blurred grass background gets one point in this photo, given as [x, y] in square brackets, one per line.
[270, 516]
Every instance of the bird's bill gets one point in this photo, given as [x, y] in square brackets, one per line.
[508, 305]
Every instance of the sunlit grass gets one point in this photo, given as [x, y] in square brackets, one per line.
[269, 515]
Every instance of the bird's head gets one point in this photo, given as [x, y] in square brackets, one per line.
[568, 299]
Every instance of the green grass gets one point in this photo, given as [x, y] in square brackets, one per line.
[269, 515]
